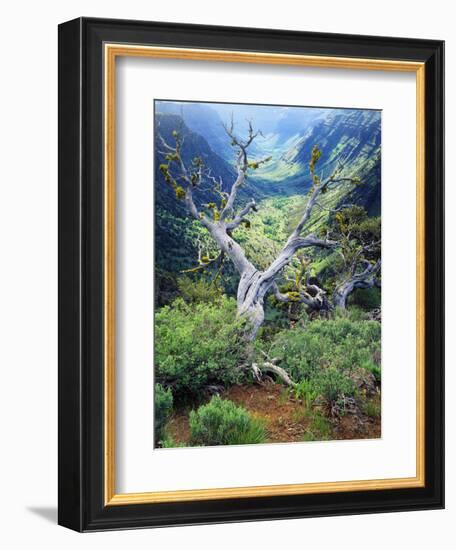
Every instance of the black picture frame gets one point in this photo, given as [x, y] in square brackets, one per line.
[81, 428]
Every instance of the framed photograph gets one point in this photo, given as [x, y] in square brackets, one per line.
[250, 274]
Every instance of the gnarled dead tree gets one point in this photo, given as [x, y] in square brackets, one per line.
[222, 219]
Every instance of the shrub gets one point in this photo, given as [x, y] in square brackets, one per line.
[371, 408]
[305, 391]
[353, 313]
[168, 442]
[299, 352]
[339, 343]
[221, 422]
[366, 333]
[332, 384]
[163, 408]
[319, 428]
[197, 345]
[374, 369]
[199, 290]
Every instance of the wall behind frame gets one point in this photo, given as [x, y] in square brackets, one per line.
[28, 295]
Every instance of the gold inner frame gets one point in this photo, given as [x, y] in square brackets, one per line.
[111, 52]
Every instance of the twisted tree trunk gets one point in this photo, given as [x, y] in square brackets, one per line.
[365, 279]
[253, 284]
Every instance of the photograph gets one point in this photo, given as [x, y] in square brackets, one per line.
[267, 278]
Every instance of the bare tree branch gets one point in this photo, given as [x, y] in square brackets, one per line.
[366, 279]
[317, 190]
[204, 259]
[334, 210]
[242, 163]
[240, 217]
[316, 302]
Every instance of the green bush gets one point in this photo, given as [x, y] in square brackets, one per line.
[168, 442]
[332, 384]
[163, 408]
[375, 369]
[319, 428]
[299, 352]
[197, 345]
[371, 408]
[305, 391]
[321, 357]
[366, 333]
[221, 422]
[353, 313]
[339, 343]
[199, 290]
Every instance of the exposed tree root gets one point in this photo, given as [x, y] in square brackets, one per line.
[270, 366]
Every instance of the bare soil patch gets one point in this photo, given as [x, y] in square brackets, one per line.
[287, 419]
